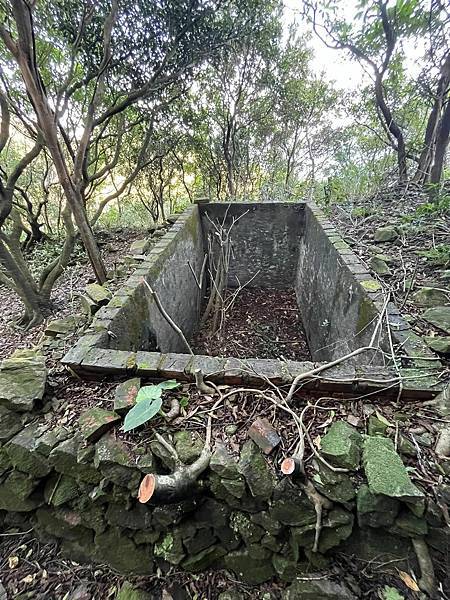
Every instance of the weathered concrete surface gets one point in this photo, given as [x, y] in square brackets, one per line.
[336, 311]
[340, 302]
[132, 315]
[266, 239]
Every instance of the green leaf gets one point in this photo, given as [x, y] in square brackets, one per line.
[142, 412]
[148, 392]
[168, 385]
[383, 419]
[184, 402]
[390, 593]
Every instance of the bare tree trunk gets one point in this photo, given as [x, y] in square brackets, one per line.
[22, 286]
[433, 129]
[442, 139]
[24, 52]
[56, 268]
[393, 128]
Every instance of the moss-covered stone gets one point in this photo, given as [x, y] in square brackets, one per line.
[204, 559]
[336, 527]
[146, 537]
[10, 424]
[286, 568]
[119, 552]
[125, 395]
[255, 470]
[98, 293]
[189, 446]
[410, 525]
[270, 541]
[375, 511]
[243, 526]
[51, 438]
[377, 426]
[371, 285]
[406, 447]
[199, 541]
[235, 487]
[265, 520]
[22, 380]
[63, 523]
[96, 421]
[171, 514]
[223, 463]
[115, 462]
[139, 517]
[290, 506]
[385, 234]
[16, 493]
[212, 513]
[22, 452]
[385, 472]
[335, 486]
[438, 316]
[430, 296]
[439, 344]
[129, 592]
[341, 446]
[64, 459]
[60, 489]
[380, 266]
[313, 589]
[250, 570]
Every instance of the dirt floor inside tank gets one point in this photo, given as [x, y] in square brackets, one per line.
[261, 323]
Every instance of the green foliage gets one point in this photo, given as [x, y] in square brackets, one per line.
[148, 404]
[438, 256]
[390, 593]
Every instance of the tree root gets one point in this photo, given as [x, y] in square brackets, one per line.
[182, 482]
[427, 580]
[202, 387]
[320, 504]
[174, 410]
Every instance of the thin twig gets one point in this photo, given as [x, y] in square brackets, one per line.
[169, 320]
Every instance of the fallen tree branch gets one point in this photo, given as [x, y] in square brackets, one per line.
[164, 313]
[180, 483]
[427, 580]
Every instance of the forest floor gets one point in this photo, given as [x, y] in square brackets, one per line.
[262, 323]
[114, 245]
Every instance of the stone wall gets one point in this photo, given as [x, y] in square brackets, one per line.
[81, 489]
[265, 240]
[340, 301]
[132, 317]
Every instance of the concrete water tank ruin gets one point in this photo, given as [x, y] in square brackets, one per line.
[276, 245]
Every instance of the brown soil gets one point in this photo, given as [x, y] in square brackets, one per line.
[263, 323]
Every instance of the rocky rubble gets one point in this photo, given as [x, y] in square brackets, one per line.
[79, 485]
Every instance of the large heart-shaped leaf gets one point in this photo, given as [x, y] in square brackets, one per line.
[142, 412]
[149, 392]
